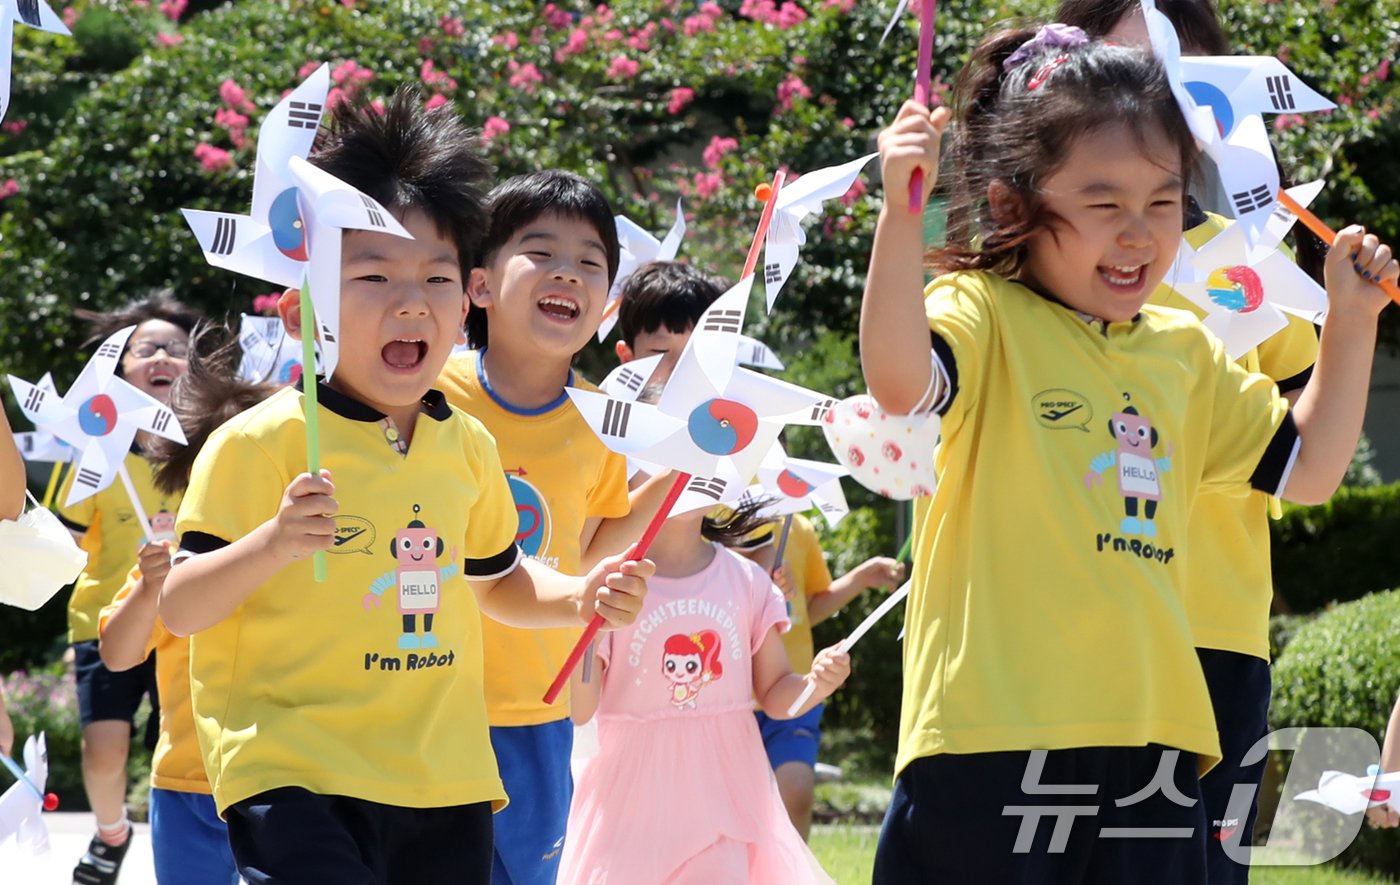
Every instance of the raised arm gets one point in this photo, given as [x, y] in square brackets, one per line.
[124, 635]
[535, 595]
[775, 686]
[894, 335]
[878, 571]
[1330, 411]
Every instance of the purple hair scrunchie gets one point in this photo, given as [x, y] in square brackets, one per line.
[1054, 34]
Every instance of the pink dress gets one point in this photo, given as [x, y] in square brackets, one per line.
[681, 790]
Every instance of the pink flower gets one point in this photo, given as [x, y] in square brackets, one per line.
[577, 42]
[640, 40]
[711, 11]
[509, 40]
[307, 69]
[493, 129]
[696, 24]
[15, 127]
[213, 159]
[436, 101]
[855, 193]
[623, 67]
[452, 27]
[848, 122]
[70, 17]
[790, 89]
[377, 105]
[707, 184]
[8, 188]
[170, 39]
[840, 5]
[765, 11]
[173, 9]
[680, 97]
[266, 304]
[234, 96]
[351, 72]
[611, 36]
[1284, 122]
[605, 15]
[425, 46]
[716, 150]
[235, 123]
[536, 36]
[555, 17]
[790, 15]
[1383, 72]
[524, 77]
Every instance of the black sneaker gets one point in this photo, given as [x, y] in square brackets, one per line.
[102, 862]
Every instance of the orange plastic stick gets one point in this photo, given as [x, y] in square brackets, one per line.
[1326, 234]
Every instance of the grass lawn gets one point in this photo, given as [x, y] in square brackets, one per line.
[848, 852]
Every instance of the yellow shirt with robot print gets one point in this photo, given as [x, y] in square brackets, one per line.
[369, 683]
[1046, 606]
[111, 536]
[560, 475]
[1229, 582]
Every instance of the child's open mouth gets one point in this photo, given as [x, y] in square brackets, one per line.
[405, 353]
[559, 308]
[1122, 277]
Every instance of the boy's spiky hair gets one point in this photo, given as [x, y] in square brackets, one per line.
[518, 201]
[409, 157]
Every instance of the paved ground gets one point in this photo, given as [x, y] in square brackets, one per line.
[68, 838]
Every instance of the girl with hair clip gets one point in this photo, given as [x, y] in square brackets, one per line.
[681, 790]
[1079, 424]
[1229, 584]
[106, 527]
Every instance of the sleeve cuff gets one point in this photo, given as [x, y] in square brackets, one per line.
[194, 543]
[68, 523]
[947, 366]
[1271, 476]
[493, 567]
[1297, 382]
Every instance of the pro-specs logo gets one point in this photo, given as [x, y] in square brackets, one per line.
[1059, 408]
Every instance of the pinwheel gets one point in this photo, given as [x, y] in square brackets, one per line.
[637, 247]
[22, 804]
[34, 13]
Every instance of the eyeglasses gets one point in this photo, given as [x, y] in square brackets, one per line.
[147, 349]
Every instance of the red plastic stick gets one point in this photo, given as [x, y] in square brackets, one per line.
[923, 89]
[1326, 234]
[639, 550]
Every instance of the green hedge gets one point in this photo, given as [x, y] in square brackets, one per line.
[1343, 669]
[1338, 551]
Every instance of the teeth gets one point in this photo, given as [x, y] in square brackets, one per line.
[560, 302]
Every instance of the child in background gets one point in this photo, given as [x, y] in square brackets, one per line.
[812, 597]
[12, 481]
[1229, 585]
[106, 527]
[680, 790]
[547, 261]
[1047, 642]
[345, 737]
[189, 840]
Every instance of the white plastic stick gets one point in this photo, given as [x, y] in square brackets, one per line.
[880, 611]
[136, 502]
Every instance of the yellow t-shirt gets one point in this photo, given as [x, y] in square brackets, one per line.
[1046, 608]
[111, 536]
[1229, 582]
[177, 763]
[810, 576]
[369, 684]
[560, 475]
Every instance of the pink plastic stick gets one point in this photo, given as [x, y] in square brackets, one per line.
[923, 90]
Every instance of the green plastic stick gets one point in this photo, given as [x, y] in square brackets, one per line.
[313, 422]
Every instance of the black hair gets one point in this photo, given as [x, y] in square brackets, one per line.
[665, 293]
[1195, 21]
[734, 524]
[409, 157]
[1016, 127]
[207, 395]
[159, 304]
[517, 202]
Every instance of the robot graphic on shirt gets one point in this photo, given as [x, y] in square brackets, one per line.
[1138, 470]
[419, 581]
[690, 661]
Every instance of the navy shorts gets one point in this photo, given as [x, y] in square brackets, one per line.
[1239, 690]
[967, 818]
[292, 836]
[792, 740]
[105, 695]
[535, 768]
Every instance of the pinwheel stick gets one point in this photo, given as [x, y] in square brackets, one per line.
[923, 89]
[309, 401]
[870, 621]
[1326, 234]
[53, 485]
[782, 542]
[49, 800]
[135, 502]
[769, 195]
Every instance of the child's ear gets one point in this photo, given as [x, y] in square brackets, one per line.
[1004, 203]
[624, 353]
[479, 288]
[289, 309]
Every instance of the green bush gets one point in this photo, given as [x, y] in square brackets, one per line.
[1343, 670]
[1338, 551]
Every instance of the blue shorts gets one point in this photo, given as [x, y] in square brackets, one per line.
[792, 740]
[114, 695]
[189, 840]
[534, 764]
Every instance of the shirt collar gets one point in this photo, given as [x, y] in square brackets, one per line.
[433, 402]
